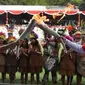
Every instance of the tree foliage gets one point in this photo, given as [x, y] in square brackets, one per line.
[77, 2]
[39, 2]
[13, 2]
[57, 2]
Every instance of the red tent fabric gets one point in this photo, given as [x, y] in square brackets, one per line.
[72, 12]
[50, 12]
[83, 12]
[2, 12]
[16, 12]
[32, 12]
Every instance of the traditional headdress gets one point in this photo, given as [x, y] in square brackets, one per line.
[2, 35]
[77, 34]
[70, 27]
[11, 39]
[33, 35]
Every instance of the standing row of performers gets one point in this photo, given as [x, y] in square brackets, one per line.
[31, 58]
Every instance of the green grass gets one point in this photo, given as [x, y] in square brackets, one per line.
[41, 76]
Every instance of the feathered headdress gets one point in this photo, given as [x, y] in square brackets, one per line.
[77, 34]
[33, 35]
[2, 35]
[11, 39]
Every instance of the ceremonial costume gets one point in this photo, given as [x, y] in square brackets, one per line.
[2, 56]
[24, 60]
[80, 58]
[36, 59]
[11, 61]
[50, 60]
[67, 66]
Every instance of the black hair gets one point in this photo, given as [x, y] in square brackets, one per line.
[27, 45]
[41, 14]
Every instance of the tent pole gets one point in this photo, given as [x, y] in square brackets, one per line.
[6, 17]
[79, 19]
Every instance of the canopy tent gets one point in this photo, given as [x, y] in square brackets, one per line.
[22, 13]
[32, 12]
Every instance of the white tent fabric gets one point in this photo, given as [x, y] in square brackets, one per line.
[18, 9]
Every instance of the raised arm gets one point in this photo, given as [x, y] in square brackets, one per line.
[78, 48]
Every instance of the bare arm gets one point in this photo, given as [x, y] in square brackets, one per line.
[10, 45]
